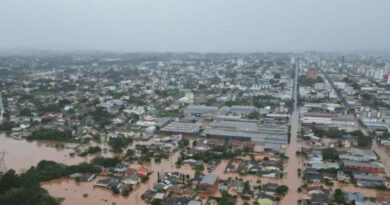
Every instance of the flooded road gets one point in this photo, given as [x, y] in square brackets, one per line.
[291, 169]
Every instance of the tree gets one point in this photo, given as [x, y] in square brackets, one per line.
[253, 115]
[8, 181]
[106, 162]
[25, 112]
[184, 142]
[50, 134]
[339, 196]
[330, 154]
[114, 190]
[364, 141]
[281, 189]
[118, 143]
[156, 202]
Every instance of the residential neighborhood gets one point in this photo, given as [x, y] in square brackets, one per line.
[193, 129]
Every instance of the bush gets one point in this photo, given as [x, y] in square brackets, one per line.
[115, 190]
[50, 134]
[281, 190]
[105, 162]
[330, 154]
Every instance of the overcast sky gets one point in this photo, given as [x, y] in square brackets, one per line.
[195, 25]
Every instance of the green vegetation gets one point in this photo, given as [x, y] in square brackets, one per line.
[224, 199]
[6, 125]
[25, 112]
[25, 188]
[91, 150]
[156, 202]
[105, 162]
[339, 196]
[38, 94]
[172, 113]
[253, 115]
[126, 192]
[281, 190]
[118, 143]
[364, 141]
[144, 179]
[50, 134]
[327, 133]
[101, 116]
[49, 108]
[184, 143]
[303, 80]
[115, 190]
[330, 154]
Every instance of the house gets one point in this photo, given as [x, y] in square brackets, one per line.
[361, 155]
[272, 166]
[362, 166]
[120, 167]
[230, 167]
[237, 186]
[317, 190]
[341, 176]
[320, 199]
[159, 196]
[209, 184]
[132, 180]
[269, 188]
[83, 177]
[322, 165]
[142, 172]
[270, 174]
[311, 171]
[130, 172]
[107, 183]
[315, 178]
[176, 200]
[194, 202]
[354, 197]
[264, 195]
[368, 180]
[383, 198]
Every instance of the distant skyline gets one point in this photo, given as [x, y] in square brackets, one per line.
[195, 25]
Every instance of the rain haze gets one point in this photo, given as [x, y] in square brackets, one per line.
[194, 25]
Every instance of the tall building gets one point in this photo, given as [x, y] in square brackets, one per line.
[387, 68]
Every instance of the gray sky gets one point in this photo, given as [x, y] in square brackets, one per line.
[195, 25]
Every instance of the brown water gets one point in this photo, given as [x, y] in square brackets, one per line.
[21, 154]
[291, 178]
[72, 191]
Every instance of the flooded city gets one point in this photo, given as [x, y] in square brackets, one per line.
[193, 129]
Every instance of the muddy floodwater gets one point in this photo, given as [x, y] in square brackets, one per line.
[73, 192]
[21, 154]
